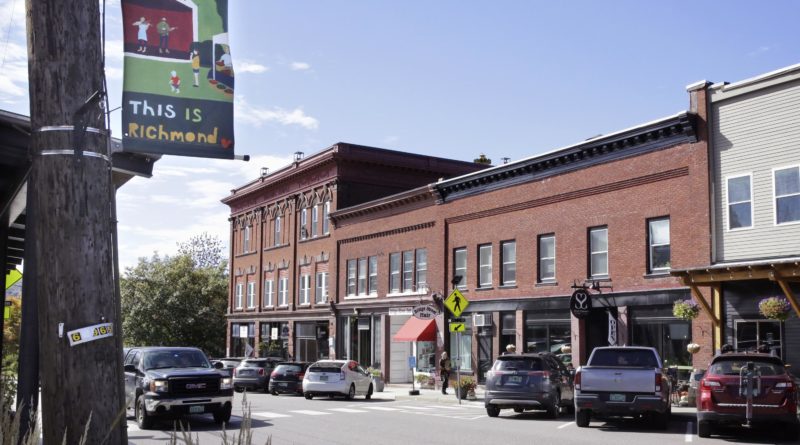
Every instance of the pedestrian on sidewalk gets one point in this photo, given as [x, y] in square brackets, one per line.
[444, 371]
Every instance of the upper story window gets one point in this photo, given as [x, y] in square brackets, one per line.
[787, 195]
[408, 271]
[351, 276]
[239, 295]
[547, 258]
[283, 291]
[322, 287]
[658, 245]
[508, 275]
[326, 210]
[485, 265]
[247, 235]
[421, 276]
[740, 202]
[277, 230]
[269, 293]
[304, 224]
[314, 221]
[394, 272]
[251, 294]
[598, 252]
[305, 289]
[362, 276]
[372, 284]
[460, 267]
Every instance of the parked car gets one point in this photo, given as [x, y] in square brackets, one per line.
[622, 382]
[694, 383]
[173, 381]
[337, 378]
[528, 381]
[287, 378]
[228, 363]
[724, 394]
[253, 374]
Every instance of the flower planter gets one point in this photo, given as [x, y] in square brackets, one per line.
[379, 384]
[774, 308]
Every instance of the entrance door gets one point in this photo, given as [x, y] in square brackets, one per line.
[484, 352]
[399, 351]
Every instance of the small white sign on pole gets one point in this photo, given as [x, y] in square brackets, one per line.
[243, 331]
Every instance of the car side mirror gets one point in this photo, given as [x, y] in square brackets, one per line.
[130, 368]
[218, 365]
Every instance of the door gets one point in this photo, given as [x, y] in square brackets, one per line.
[399, 351]
[484, 352]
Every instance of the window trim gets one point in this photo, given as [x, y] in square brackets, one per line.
[276, 230]
[269, 292]
[503, 281]
[251, 295]
[775, 196]
[304, 291]
[608, 259]
[283, 294]
[539, 258]
[728, 203]
[482, 285]
[463, 283]
[658, 270]
[321, 283]
[239, 297]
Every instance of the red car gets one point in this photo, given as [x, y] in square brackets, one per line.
[747, 389]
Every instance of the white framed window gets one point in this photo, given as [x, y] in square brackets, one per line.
[508, 275]
[598, 252]
[277, 231]
[269, 293]
[362, 276]
[304, 224]
[460, 266]
[246, 243]
[352, 276]
[304, 292]
[322, 287]
[326, 210]
[740, 201]
[314, 221]
[786, 186]
[372, 284]
[251, 294]
[485, 265]
[408, 271]
[394, 272]
[283, 291]
[421, 269]
[658, 245]
[239, 295]
[547, 258]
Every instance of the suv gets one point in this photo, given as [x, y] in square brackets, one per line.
[253, 374]
[528, 381]
[172, 381]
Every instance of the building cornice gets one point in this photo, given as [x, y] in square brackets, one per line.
[396, 201]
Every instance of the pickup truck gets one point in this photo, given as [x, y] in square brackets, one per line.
[173, 381]
[622, 382]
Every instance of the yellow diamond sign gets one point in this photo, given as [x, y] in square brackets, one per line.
[456, 302]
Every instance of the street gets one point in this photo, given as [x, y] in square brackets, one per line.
[427, 420]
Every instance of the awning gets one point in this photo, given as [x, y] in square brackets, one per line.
[416, 330]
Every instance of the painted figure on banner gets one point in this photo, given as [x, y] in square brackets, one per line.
[175, 82]
[143, 25]
[196, 67]
[163, 34]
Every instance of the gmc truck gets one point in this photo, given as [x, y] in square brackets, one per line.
[174, 381]
[622, 382]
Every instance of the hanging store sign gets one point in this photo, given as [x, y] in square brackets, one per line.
[425, 312]
[90, 333]
[612, 329]
[580, 304]
[178, 90]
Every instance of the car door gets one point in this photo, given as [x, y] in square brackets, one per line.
[133, 358]
[363, 378]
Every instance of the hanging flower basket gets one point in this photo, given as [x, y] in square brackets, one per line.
[774, 308]
[685, 309]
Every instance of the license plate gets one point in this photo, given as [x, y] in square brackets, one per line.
[515, 379]
[616, 397]
[197, 409]
[323, 378]
[283, 384]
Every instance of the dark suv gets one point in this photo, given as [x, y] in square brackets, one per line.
[173, 381]
[528, 381]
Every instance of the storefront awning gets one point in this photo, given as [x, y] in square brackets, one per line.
[416, 330]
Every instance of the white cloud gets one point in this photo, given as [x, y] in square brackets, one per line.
[258, 116]
[299, 66]
[114, 51]
[244, 66]
[14, 73]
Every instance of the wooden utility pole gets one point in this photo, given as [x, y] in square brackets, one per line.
[70, 190]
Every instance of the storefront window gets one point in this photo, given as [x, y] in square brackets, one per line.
[546, 334]
[361, 339]
[311, 341]
[426, 356]
[750, 335]
[669, 337]
[243, 339]
[508, 332]
[274, 340]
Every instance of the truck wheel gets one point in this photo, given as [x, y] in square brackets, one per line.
[704, 429]
[223, 415]
[492, 411]
[144, 420]
[661, 420]
[582, 418]
[555, 409]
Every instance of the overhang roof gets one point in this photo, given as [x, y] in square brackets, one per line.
[416, 329]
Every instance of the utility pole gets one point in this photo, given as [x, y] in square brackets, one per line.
[70, 192]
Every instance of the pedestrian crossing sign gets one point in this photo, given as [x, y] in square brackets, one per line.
[458, 327]
[456, 302]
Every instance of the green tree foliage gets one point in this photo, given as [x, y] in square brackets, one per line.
[10, 359]
[173, 301]
[204, 249]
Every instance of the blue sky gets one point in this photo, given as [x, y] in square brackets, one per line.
[446, 78]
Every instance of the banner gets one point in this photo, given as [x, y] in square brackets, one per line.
[178, 90]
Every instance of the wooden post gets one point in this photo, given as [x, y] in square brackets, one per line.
[70, 193]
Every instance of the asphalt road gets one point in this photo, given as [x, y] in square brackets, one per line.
[296, 421]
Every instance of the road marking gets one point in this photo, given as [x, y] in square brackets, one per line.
[346, 410]
[269, 415]
[446, 407]
[309, 412]
[424, 408]
[689, 432]
[382, 408]
[566, 425]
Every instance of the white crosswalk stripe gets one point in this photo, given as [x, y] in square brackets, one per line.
[309, 412]
[269, 415]
[347, 410]
[421, 408]
[381, 408]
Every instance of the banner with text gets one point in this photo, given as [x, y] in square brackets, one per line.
[178, 90]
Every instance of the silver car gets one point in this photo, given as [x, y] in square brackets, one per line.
[337, 378]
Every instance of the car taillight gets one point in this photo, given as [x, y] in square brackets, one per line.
[260, 371]
[710, 384]
[785, 385]
[659, 381]
[341, 375]
[577, 380]
[706, 386]
[301, 375]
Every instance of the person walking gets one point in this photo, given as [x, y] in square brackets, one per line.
[444, 371]
[511, 349]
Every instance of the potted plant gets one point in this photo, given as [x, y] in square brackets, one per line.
[424, 380]
[774, 308]
[685, 310]
[466, 388]
[377, 378]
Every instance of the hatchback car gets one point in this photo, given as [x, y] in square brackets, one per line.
[337, 378]
[528, 382]
[228, 363]
[725, 393]
[287, 378]
[253, 374]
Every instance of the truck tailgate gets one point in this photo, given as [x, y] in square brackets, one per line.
[617, 379]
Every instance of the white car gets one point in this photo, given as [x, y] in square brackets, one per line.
[337, 378]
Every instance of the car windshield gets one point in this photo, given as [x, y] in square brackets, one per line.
[289, 369]
[639, 358]
[253, 364]
[175, 359]
[326, 367]
[735, 366]
[518, 364]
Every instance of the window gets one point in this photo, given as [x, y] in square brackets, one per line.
[269, 293]
[508, 275]
[547, 258]
[305, 289]
[749, 335]
[740, 204]
[658, 245]
[351, 277]
[408, 270]
[787, 195]
[246, 243]
[394, 273]
[326, 210]
[251, 294]
[372, 288]
[283, 291]
[485, 265]
[277, 229]
[314, 221]
[322, 287]
[362, 276]
[421, 279]
[598, 252]
[460, 266]
[303, 224]
[239, 292]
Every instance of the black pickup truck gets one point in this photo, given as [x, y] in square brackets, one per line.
[173, 381]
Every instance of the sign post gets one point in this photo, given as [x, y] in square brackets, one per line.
[456, 303]
[412, 363]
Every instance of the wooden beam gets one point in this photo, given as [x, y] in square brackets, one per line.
[702, 300]
[707, 277]
[786, 291]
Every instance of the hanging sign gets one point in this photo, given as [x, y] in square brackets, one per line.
[612, 330]
[425, 312]
[178, 89]
[580, 304]
[90, 333]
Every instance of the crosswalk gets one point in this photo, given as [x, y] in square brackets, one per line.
[465, 412]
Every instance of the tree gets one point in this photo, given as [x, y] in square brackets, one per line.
[8, 372]
[172, 301]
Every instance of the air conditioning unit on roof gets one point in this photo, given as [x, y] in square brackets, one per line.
[481, 320]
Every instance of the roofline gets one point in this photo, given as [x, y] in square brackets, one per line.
[738, 265]
[725, 90]
[396, 200]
